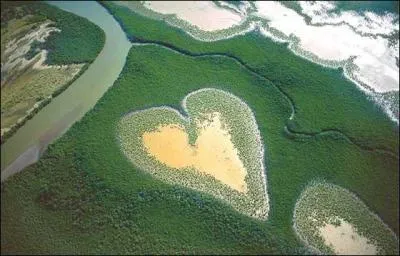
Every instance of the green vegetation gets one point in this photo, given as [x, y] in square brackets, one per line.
[87, 178]
[244, 135]
[24, 88]
[85, 196]
[342, 106]
[322, 203]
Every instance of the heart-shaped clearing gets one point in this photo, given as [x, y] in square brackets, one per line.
[213, 153]
[217, 150]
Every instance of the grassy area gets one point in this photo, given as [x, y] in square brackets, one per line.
[32, 87]
[25, 88]
[341, 106]
[111, 206]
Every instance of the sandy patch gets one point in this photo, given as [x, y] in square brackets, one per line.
[14, 61]
[213, 153]
[203, 14]
[15, 50]
[345, 240]
[321, 12]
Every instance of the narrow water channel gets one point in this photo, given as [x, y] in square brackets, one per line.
[25, 146]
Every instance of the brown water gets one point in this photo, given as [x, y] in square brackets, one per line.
[78, 99]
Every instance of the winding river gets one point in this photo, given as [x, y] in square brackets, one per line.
[32, 139]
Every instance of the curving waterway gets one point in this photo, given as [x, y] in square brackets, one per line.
[31, 140]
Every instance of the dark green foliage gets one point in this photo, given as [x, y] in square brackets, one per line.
[14, 10]
[341, 105]
[84, 196]
[86, 178]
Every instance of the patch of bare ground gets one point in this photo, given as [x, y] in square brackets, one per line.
[27, 83]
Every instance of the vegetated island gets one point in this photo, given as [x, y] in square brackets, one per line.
[332, 220]
[43, 50]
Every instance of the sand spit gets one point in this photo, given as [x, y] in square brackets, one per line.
[213, 153]
[203, 14]
[345, 240]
